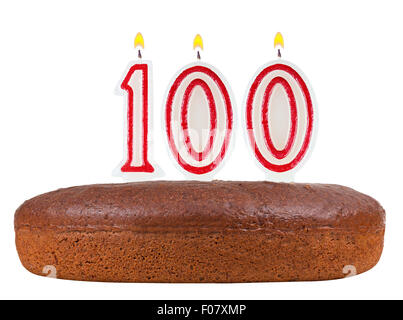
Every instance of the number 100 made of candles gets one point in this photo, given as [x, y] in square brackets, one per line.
[279, 117]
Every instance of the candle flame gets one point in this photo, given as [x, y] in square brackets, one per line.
[139, 41]
[278, 40]
[198, 42]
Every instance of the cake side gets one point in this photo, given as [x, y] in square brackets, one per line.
[127, 256]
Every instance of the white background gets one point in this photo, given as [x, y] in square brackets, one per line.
[61, 121]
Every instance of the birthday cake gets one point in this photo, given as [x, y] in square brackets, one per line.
[189, 231]
[217, 231]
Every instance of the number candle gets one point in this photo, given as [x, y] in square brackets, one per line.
[280, 116]
[198, 116]
[137, 84]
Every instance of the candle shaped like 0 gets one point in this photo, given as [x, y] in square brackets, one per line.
[198, 116]
[137, 83]
[280, 116]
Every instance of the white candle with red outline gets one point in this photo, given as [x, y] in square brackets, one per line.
[198, 116]
[280, 116]
[137, 85]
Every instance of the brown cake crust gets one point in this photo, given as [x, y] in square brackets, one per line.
[188, 231]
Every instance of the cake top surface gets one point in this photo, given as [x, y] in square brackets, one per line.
[161, 206]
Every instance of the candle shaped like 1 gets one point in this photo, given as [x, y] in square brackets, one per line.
[280, 116]
[198, 116]
[137, 83]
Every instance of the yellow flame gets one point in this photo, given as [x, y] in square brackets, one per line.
[278, 40]
[198, 42]
[139, 41]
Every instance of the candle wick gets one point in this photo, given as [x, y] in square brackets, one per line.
[139, 54]
[198, 55]
[279, 53]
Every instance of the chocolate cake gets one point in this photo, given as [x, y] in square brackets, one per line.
[187, 231]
